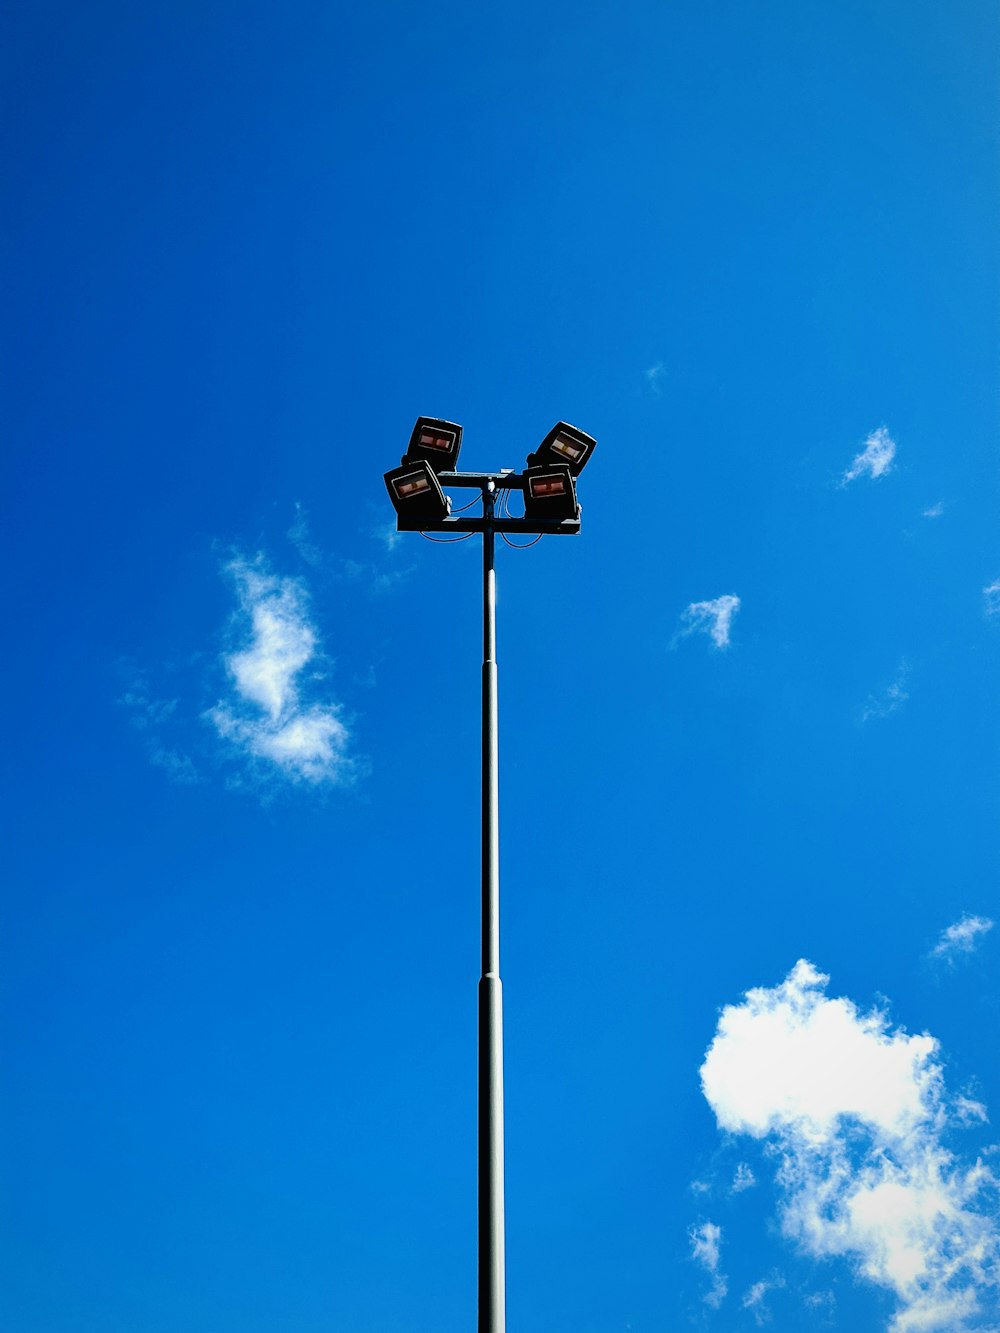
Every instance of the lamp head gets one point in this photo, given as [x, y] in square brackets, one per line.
[564, 444]
[416, 495]
[550, 492]
[435, 442]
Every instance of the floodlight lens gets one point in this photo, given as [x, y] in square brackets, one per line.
[445, 441]
[542, 487]
[568, 448]
[415, 484]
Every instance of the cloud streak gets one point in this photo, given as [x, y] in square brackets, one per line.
[266, 717]
[856, 1113]
[706, 1242]
[961, 938]
[300, 535]
[755, 1296]
[891, 699]
[714, 618]
[875, 459]
[743, 1179]
[653, 376]
[152, 717]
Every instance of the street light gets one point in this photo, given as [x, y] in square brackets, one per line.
[565, 444]
[550, 507]
[549, 492]
[436, 441]
[416, 496]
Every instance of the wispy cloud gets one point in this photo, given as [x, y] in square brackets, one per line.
[743, 1179]
[267, 718]
[875, 459]
[653, 375]
[386, 533]
[970, 1112]
[714, 618]
[857, 1113]
[300, 535]
[706, 1243]
[991, 598]
[961, 938]
[378, 573]
[152, 718]
[935, 510]
[820, 1302]
[755, 1296]
[890, 699]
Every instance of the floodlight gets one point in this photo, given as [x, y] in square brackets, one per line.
[564, 444]
[436, 442]
[416, 495]
[550, 493]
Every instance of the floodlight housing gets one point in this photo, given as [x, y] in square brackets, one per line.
[416, 495]
[564, 444]
[436, 442]
[550, 492]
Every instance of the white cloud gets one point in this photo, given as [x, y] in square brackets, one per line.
[178, 766]
[377, 573]
[754, 1297]
[388, 536]
[706, 1241]
[653, 376]
[820, 1300]
[875, 459]
[969, 1112]
[152, 718]
[300, 535]
[935, 510]
[856, 1113]
[991, 598]
[267, 718]
[962, 937]
[890, 699]
[713, 618]
[743, 1179]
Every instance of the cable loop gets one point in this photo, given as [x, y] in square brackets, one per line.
[521, 546]
[447, 541]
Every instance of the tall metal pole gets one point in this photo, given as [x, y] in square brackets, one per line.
[492, 1296]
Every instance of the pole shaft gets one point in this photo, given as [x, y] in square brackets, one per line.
[492, 1296]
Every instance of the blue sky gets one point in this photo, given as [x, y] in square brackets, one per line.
[750, 776]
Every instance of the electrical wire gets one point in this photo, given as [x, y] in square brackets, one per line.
[475, 500]
[506, 504]
[447, 541]
[505, 513]
[505, 509]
